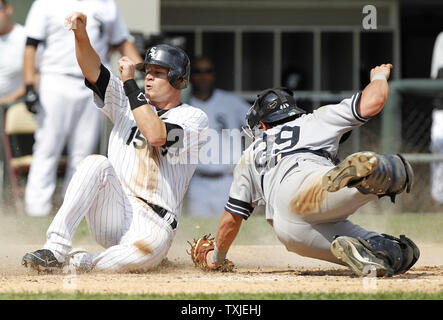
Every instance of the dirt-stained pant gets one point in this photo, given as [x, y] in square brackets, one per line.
[307, 217]
[136, 238]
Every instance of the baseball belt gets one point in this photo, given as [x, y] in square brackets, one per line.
[212, 175]
[162, 212]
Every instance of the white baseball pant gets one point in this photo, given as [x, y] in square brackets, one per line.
[67, 115]
[134, 236]
[437, 148]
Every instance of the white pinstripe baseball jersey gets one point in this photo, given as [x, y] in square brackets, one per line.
[159, 175]
[265, 162]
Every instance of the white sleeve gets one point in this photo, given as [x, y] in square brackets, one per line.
[117, 31]
[241, 197]
[35, 25]
[115, 103]
[437, 56]
[344, 115]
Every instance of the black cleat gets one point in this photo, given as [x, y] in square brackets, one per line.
[381, 255]
[42, 260]
[358, 257]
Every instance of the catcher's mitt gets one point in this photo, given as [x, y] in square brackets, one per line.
[199, 251]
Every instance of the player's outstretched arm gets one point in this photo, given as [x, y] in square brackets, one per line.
[376, 93]
[88, 59]
[227, 232]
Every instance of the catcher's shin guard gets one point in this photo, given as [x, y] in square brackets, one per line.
[371, 173]
[385, 254]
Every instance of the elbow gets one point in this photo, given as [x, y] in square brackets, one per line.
[157, 141]
[372, 107]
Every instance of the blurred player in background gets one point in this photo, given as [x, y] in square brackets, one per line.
[437, 123]
[64, 106]
[225, 111]
[12, 46]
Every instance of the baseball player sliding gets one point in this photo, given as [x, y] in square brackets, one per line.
[291, 168]
[131, 199]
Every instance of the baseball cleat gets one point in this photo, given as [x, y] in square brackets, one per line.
[359, 257]
[351, 170]
[78, 258]
[41, 260]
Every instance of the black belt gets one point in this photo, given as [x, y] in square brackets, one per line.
[321, 153]
[210, 174]
[160, 211]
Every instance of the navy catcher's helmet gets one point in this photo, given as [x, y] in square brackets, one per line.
[170, 57]
[273, 105]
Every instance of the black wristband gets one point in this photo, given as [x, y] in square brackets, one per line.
[29, 87]
[135, 96]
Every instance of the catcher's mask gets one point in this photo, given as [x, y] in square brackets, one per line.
[273, 105]
[173, 58]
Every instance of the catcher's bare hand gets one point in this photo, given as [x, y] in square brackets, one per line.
[384, 69]
[201, 253]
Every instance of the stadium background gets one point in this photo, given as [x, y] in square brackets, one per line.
[258, 44]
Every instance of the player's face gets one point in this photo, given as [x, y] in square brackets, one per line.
[157, 87]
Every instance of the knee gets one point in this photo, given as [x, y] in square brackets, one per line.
[95, 160]
[298, 247]
[94, 164]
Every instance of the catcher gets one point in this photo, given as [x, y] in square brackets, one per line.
[291, 168]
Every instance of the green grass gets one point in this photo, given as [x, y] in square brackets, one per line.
[227, 296]
[423, 227]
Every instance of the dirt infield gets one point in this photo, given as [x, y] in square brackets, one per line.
[259, 269]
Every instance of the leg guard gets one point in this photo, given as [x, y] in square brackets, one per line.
[370, 173]
[384, 253]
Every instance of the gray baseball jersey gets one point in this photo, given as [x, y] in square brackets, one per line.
[271, 156]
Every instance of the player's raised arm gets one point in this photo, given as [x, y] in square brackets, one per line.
[150, 125]
[376, 93]
[87, 58]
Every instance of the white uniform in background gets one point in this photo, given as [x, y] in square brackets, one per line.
[118, 194]
[288, 180]
[437, 125]
[12, 46]
[66, 114]
[212, 179]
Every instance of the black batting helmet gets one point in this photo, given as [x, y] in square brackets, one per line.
[170, 57]
[273, 105]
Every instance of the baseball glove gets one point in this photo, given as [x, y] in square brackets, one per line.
[199, 251]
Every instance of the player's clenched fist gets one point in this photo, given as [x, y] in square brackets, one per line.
[127, 68]
[76, 21]
[384, 69]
